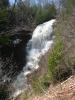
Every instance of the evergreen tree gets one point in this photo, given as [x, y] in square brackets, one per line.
[4, 4]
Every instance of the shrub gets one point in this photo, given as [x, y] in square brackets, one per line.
[54, 58]
[58, 70]
[40, 84]
[46, 13]
[62, 73]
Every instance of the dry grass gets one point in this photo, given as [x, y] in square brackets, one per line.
[63, 91]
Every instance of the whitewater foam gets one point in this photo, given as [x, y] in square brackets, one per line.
[41, 42]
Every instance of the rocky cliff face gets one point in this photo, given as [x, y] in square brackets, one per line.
[13, 56]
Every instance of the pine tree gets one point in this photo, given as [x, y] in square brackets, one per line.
[4, 4]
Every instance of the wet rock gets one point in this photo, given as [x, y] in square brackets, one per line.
[13, 56]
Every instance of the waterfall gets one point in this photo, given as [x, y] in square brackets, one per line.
[40, 43]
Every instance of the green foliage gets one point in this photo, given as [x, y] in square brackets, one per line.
[40, 16]
[55, 57]
[5, 39]
[3, 19]
[51, 13]
[36, 85]
[58, 70]
[4, 3]
[40, 84]
[4, 15]
[23, 14]
[46, 13]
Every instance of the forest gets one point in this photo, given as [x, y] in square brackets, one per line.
[23, 13]
[37, 48]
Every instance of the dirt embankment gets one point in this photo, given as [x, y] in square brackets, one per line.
[63, 91]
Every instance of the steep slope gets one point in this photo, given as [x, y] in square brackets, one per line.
[65, 90]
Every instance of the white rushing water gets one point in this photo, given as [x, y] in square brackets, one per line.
[40, 43]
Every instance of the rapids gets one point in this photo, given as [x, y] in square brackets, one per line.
[38, 45]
